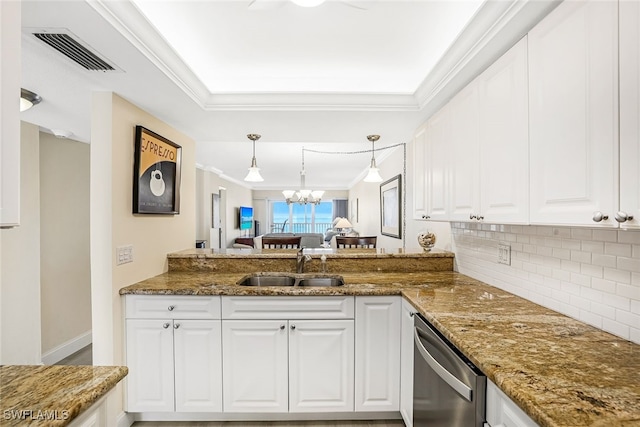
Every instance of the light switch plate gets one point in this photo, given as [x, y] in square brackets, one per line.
[124, 254]
[504, 253]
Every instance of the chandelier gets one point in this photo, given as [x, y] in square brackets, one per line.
[304, 195]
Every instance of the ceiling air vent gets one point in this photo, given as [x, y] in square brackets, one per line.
[75, 51]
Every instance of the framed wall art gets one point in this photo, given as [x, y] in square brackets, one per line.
[391, 207]
[156, 174]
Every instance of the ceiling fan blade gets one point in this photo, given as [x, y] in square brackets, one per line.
[359, 4]
[265, 4]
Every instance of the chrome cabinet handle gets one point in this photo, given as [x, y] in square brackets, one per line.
[165, 325]
[425, 217]
[480, 217]
[623, 216]
[281, 327]
[472, 216]
[411, 314]
[171, 307]
[293, 327]
[176, 326]
[599, 216]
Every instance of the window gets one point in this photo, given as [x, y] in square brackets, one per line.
[297, 218]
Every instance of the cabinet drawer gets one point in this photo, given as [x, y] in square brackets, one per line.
[172, 307]
[315, 307]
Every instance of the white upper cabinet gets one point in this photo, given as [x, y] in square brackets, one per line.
[475, 150]
[464, 185]
[573, 103]
[504, 139]
[437, 153]
[419, 176]
[629, 115]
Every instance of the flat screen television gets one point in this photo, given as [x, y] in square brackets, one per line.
[245, 217]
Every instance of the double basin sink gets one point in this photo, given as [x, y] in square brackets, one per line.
[291, 279]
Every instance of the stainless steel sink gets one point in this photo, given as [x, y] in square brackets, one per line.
[267, 281]
[286, 279]
[321, 281]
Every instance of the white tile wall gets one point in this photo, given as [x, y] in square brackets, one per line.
[591, 275]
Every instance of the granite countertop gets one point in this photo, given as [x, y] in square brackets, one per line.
[560, 371]
[47, 396]
[291, 253]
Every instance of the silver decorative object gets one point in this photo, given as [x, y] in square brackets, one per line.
[427, 240]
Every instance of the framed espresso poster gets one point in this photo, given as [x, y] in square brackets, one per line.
[156, 174]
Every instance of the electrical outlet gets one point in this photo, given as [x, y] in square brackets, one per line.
[124, 254]
[504, 253]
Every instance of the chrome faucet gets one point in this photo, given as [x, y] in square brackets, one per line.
[300, 260]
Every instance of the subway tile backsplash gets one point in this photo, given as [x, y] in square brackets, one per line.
[590, 274]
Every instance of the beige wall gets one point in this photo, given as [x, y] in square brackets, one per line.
[235, 194]
[368, 195]
[64, 241]
[20, 264]
[113, 224]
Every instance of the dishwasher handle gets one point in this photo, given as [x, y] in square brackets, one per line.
[453, 382]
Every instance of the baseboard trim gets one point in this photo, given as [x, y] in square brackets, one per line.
[274, 416]
[67, 348]
[125, 419]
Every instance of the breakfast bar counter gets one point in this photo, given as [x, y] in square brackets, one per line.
[560, 371]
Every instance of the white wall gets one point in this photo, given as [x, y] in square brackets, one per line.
[20, 274]
[64, 242]
[368, 200]
[591, 275]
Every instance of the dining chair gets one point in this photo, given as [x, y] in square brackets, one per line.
[344, 242]
[292, 242]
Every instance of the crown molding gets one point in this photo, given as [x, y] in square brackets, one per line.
[311, 101]
[496, 27]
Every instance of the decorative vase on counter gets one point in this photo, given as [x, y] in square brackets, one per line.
[427, 240]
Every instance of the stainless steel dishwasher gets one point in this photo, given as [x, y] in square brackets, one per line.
[448, 390]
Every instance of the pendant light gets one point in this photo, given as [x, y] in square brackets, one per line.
[254, 170]
[374, 172]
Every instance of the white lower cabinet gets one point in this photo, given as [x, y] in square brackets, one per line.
[377, 359]
[271, 354]
[502, 412]
[290, 360]
[255, 367]
[174, 364]
[406, 363]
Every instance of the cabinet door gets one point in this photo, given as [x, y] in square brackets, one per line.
[150, 361]
[254, 365]
[437, 165]
[573, 80]
[464, 185]
[378, 353]
[198, 365]
[406, 364]
[630, 113]
[504, 138]
[419, 175]
[321, 365]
